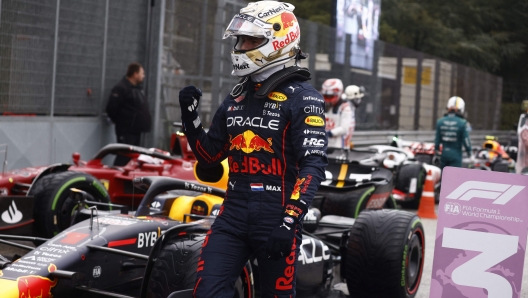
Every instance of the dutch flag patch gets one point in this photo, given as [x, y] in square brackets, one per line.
[257, 187]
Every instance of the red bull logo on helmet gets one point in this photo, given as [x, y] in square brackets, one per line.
[290, 37]
[288, 19]
[248, 142]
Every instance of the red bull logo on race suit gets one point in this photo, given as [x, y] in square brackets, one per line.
[297, 188]
[248, 142]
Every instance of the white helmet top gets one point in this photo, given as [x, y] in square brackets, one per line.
[353, 92]
[332, 90]
[271, 20]
[456, 102]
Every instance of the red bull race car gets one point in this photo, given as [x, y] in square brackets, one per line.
[36, 199]
[490, 157]
[153, 251]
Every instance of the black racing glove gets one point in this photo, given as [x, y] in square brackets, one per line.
[280, 242]
[189, 98]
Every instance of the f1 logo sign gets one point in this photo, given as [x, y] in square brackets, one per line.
[500, 193]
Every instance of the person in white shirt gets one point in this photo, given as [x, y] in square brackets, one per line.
[338, 114]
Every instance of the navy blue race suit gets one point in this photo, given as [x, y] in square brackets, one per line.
[276, 149]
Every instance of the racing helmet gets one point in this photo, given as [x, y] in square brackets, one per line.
[332, 90]
[456, 102]
[354, 93]
[276, 24]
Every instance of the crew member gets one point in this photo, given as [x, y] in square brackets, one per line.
[353, 94]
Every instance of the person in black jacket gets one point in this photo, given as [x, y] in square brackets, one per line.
[129, 110]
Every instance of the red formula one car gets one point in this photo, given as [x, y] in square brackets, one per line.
[37, 199]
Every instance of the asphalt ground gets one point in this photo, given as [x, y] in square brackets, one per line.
[423, 291]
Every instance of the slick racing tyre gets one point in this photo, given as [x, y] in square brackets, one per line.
[404, 182]
[53, 205]
[175, 270]
[385, 255]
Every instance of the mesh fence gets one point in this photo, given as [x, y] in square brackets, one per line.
[63, 57]
[405, 89]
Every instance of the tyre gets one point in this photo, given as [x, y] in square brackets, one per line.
[404, 181]
[175, 270]
[53, 205]
[385, 255]
[390, 203]
[346, 203]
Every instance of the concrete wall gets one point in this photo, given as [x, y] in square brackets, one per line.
[36, 141]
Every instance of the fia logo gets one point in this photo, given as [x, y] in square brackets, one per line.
[97, 271]
[452, 208]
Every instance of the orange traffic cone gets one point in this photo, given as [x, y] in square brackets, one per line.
[427, 202]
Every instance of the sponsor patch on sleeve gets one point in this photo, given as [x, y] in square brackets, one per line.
[314, 121]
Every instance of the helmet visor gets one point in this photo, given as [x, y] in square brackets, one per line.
[243, 24]
[331, 98]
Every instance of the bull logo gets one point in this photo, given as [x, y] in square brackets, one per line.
[287, 20]
[249, 142]
[297, 188]
[33, 286]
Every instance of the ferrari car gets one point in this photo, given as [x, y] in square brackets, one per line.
[36, 199]
[153, 251]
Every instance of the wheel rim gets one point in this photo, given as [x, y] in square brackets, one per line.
[67, 210]
[414, 261]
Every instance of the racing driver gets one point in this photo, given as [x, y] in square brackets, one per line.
[271, 128]
[452, 134]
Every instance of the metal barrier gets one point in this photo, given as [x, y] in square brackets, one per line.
[367, 138]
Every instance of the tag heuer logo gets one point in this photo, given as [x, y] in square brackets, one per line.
[155, 204]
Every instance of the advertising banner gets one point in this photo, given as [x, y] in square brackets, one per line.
[359, 19]
[481, 235]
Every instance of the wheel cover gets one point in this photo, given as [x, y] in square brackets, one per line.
[414, 262]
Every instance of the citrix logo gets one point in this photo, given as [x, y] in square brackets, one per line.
[500, 193]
